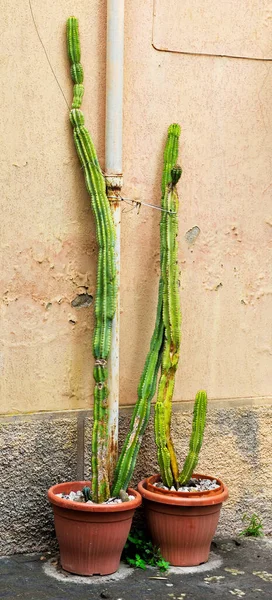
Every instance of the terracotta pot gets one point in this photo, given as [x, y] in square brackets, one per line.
[182, 525]
[91, 537]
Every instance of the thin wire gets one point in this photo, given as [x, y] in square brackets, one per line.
[138, 204]
[135, 203]
[128, 210]
[45, 51]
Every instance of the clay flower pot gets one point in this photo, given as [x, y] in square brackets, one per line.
[91, 537]
[182, 524]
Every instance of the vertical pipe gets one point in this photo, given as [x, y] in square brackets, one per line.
[114, 180]
[114, 86]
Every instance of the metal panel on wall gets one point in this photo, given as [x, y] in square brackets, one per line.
[238, 28]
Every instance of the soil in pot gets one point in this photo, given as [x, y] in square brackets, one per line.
[91, 536]
[182, 524]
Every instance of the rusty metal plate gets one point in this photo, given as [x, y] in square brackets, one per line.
[238, 28]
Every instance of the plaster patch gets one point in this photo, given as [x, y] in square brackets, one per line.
[214, 578]
[192, 234]
[50, 569]
[234, 571]
[245, 427]
[263, 575]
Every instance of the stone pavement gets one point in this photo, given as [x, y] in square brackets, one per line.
[240, 568]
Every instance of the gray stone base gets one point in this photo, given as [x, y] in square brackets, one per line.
[40, 450]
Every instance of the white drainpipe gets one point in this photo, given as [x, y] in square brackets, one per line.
[114, 181]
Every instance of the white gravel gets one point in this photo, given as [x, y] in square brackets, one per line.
[194, 485]
[78, 497]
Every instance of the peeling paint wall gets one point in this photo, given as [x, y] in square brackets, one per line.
[47, 241]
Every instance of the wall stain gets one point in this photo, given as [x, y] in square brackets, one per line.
[245, 428]
[192, 234]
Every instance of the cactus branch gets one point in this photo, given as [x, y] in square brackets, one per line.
[198, 427]
[106, 274]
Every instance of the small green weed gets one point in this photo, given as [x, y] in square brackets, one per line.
[140, 552]
[254, 527]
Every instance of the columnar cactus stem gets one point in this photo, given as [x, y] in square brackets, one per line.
[198, 427]
[147, 385]
[141, 412]
[106, 274]
[172, 337]
[171, 308]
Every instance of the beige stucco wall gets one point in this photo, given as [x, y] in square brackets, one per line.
[48, 246]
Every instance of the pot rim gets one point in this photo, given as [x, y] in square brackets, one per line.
[80, 506]
[204, 500]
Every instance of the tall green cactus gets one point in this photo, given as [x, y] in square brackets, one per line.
[105, 306]
[171, 307]
[172, 324]
[105, 302]
[148, 381]
[168, 301]
[165, 342]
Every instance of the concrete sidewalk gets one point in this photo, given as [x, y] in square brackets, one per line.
[240, 568]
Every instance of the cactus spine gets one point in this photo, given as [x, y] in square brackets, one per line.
[106, 273]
